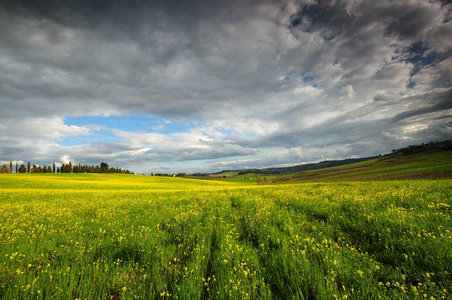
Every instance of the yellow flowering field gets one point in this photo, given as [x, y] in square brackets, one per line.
[93, 236]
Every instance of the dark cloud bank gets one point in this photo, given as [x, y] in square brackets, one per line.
[261, 83]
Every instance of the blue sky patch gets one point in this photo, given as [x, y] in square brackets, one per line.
[101, 128]
[139, 123]
[96, 136]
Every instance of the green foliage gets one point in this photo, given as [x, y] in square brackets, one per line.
[67, 236]
[22, 169]
[5, 169]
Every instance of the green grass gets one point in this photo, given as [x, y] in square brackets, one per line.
[68, 236]
[418, 166]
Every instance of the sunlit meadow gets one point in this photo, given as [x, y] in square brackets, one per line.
[77, 236]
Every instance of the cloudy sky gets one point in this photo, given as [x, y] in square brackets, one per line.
[202, 86]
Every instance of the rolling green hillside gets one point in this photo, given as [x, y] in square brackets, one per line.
[426, 161]
[437, 165]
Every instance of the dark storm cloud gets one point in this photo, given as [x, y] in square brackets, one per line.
[290, 80]
[128, 57]
[9, 150]
[442, 103]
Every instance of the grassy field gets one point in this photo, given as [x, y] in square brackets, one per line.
[425, 165]
[417, 166]
[69, 236]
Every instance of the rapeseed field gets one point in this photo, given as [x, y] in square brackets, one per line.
[92, 236]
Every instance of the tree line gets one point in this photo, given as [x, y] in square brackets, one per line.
[64, 168]
[429, 147]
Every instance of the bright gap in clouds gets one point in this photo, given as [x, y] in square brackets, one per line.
[102, 128]
[94, 136]
[129, 123]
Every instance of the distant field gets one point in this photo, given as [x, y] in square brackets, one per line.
[68, 236]
[426, 165]
[417, 166]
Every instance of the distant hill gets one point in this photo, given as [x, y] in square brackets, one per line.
[423, 165]
[287, 170]
[432, 160]
[305, 167]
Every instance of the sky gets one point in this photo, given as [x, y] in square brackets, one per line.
[204, 85]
